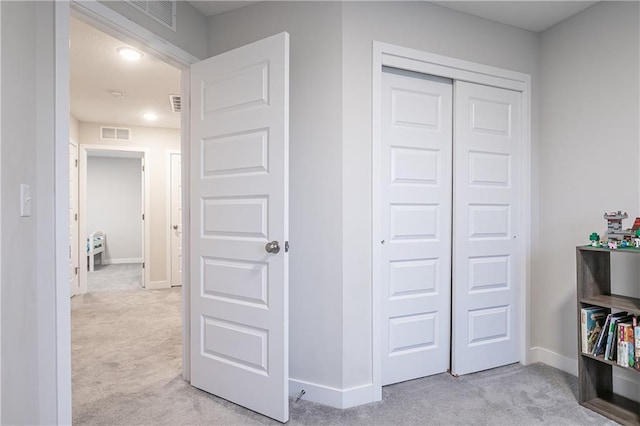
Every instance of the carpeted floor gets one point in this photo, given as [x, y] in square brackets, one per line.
[127, 364]
[123, 276]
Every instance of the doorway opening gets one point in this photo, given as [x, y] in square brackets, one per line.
[126, 325]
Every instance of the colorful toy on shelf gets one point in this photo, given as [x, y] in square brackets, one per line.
[614, 225]
[636, 240]
[595, 239]
[612, 244]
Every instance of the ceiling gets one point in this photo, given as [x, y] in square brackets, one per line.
[97, 70]
[534, 16]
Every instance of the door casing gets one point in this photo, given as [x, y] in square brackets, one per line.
[394, 56]
[170, 259]
[83, 153]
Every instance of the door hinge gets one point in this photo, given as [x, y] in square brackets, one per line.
[142, 265]
[76, 162]
[75, 216]
[142, 216]
[76, 270]
[286, 246]
[143, 168]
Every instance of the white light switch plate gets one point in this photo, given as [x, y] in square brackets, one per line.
[25, 200]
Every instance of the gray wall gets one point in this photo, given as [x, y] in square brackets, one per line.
[589, 114]
[315, 172]
[114, 206]
[28, 264]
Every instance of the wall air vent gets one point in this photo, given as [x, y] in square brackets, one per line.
[115, 134]
[176, 103]
[162, 11]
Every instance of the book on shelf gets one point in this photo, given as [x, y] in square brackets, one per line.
[611, 349]
[625, 331]
[598, 348]
[629, 338]
[592, 320]
[601, 343]
[636, 333]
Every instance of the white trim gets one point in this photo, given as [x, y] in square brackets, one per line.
[185, 150]
[123, 260]
[156, 285]
[1, 197]
[428, 63]
[553, 359]
[333, 397]
[62, 306]
[111, 22]
[169, 265]
[83, 152]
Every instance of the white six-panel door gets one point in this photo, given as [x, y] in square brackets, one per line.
[488, 138]
[239, 204]
[416, 225]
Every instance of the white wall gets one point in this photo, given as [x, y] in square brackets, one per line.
[159, 142]
[331, 154]
[315, 172]
[191, 25]
[114, 206]
[589, 121]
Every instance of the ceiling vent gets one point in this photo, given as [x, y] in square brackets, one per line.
[115, 134]
[162, 11]
[176, 103]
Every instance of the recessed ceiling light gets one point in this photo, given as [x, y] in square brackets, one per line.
[150, 116]
[129, 54]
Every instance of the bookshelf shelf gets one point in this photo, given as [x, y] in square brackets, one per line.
[600, 358]
[595, 374]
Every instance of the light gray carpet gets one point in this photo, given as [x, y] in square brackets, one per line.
[127, 364]
[124, 276]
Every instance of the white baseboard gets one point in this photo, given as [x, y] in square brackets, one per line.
[123, 260]
[627, 385]
[561, 362]
[333, 397]
[155, 285]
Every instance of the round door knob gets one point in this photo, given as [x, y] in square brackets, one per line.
[175, 227]
[273, 247]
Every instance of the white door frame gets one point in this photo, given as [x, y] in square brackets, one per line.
[111, 22]
[385, 54]
[83, 152]
[169, 271]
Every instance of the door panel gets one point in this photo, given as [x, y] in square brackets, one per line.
[176, 220]
[239, 203]
[416, 224]
[486, 215]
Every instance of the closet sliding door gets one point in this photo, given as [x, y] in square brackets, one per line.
[416, 190]
[487, 145]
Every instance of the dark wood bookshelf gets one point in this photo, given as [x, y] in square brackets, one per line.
[595, 374]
